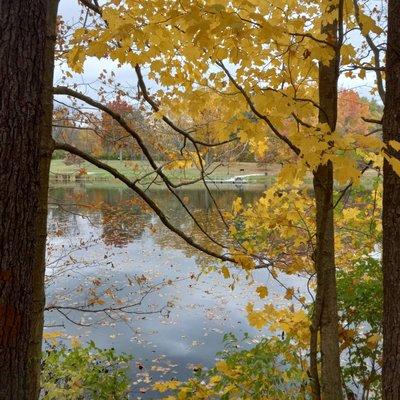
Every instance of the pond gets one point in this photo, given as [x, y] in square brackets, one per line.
[118, 277]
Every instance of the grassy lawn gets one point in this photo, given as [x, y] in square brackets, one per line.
[135, 169]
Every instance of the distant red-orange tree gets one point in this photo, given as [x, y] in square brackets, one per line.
[351, 109]
[114, 137]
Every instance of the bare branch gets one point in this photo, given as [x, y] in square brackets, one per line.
[365, 67]
[143, 195]
[92, 6]
[375, 50]
[372, 120]
[124, 124]
[285, 139]
[156, 108]
[308, 35]
[344, 191]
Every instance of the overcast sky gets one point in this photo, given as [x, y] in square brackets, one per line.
[70, 11]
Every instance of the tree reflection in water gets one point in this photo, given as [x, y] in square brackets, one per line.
[124, 280]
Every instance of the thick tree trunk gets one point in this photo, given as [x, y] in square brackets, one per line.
[46, 151]
[325, 319]
[22, 66]
[391, 213]
[326, 299]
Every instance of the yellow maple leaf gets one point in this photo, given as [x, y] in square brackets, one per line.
[256, 318]
[373, 340]
[163, 386]
[262, 291]
[225, 272]
[368, 24]
[395, 144]
[395, 163]
[75, 59]
[289, 293]
[237, 205]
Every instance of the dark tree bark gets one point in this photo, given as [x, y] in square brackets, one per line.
[325, 318]
[46, 151]
[22, 108]
[391, 213]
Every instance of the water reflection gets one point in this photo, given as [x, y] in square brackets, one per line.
[107, 250]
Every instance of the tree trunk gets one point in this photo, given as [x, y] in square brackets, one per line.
[22, 68]
[325, 318]
[391, 213]
[46, 151]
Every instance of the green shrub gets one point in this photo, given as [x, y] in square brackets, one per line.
[84, 372]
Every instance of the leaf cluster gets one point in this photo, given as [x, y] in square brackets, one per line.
[84, 372]
[272, 369]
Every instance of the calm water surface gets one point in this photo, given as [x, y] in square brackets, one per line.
[154, 297]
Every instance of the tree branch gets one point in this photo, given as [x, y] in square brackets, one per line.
[372, 120]
[285, 139]
[375, 50]
[122, 178]
[124, 124]
[92, 6]
[156, 108]
[308, 35]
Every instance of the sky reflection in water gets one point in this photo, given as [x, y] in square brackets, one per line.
[117, 252]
